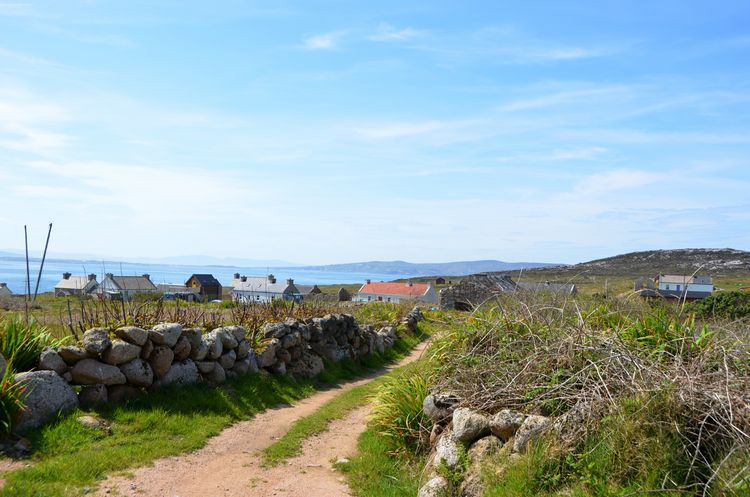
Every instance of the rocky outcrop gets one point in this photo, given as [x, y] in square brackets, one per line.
[45, 394]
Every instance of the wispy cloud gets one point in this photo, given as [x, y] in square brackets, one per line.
[401, 129]
[325, 41]
[15, 9]
[387, 32]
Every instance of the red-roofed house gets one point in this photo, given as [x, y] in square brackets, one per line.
[395, 292]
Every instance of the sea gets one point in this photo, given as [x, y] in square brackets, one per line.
[13, 272]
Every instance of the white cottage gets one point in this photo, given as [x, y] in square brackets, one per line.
[396, 292]
[260, 289]
[76, 286]
[125, 287]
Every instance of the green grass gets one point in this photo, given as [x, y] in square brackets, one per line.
[70, 459]
[290, 444]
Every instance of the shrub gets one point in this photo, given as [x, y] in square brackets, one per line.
[724, 305]
[11, 403]
[21, 345]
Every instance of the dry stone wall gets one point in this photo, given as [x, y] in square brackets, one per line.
[114, 366]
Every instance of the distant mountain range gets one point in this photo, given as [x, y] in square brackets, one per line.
[428, 269]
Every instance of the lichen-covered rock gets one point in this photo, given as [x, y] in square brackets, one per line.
[278, 368]
[530, 429]
[437, 486]
[447, 451]
[238, 332]
[199, 352]
[96, 341]
[275, 330]
[483, 448]
[225, 335]
[216, 376]
[243, 348]
[121, 352]
[49, 360]
[193, 335]
[308, 366]
[283, 355]
[439, 407]
[91, 372]
[215, 346]
[505, 424]
[469, 425]
[119, 394]
[165, 334]
[138, 373]
[132, 334]
[205, 367]
[45, 394]
[161, 360]
[242, 366]
[268, 356]
[227, 360]
[92, 396]
[181, 349]
[181, 373]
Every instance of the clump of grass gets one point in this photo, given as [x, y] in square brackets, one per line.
[397, 412]
[21, 344]
[11, 401]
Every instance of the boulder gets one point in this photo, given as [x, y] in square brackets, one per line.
[215, 346]
[165, 334]
[181, 349]
[268, 356]
[119, 394]
[243, 348]
[96, 341]
[291, 340]
[91, 372]
[94, 423]
[138, 373]
[228, 359]
[205, 367]
[121, 352]
[147, 349]
[439, 407]
[238, 332]
[193, 335]
[505, 424]
[284, 355]
[225, 335]
[181, 373]
[161, 360]
[530, 429]
[437, 486]
[92, 396]
[308, 366]
[275, 330]
[469, 425]
[49, 360]
[199, 352]
[216, 376]
[447, 451]
[132, 334]
[45, 394]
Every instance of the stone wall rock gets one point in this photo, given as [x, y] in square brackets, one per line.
[49, 360]
[91, 372]
[138, 373]
[120, 352]
[132, 334]
[161, 360]
[96, 341]
[45, 394]
[165, 334]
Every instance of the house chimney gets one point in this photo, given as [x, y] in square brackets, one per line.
[66, 276]
[243, 278]
[367, 282]
[290, 282]
[109, 275]
[409, 284]
[236, 276]
[92, 277]
[271, 278]
[3, 285]
[147, 276]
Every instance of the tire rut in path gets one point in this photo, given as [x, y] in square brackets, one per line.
[229, 465]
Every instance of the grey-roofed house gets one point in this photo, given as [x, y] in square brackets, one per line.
[76, 286]
[672, 286]
[307, 290]
[125, 287]
[181, 292]
[4, 290]
[260, 289]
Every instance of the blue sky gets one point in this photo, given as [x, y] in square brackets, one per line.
[321, 132]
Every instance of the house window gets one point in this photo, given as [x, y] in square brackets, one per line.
[380, 299]
[678, 288]
[389, 299]
[369, 299]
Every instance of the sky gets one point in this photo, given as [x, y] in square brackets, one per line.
[326, 132]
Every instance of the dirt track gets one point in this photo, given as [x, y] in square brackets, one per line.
[229, 464]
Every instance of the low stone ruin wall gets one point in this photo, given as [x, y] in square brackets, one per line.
[463, 438]
[114, 366]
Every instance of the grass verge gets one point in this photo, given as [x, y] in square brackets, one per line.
[290, 444]
[70, 459]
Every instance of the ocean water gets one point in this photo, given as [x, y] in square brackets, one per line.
[13, 272]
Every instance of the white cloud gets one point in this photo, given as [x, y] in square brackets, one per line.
[619, 179]
[400, 130]
[387, 32]
[326, 41]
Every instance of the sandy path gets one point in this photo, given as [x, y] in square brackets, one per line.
[228, 465]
